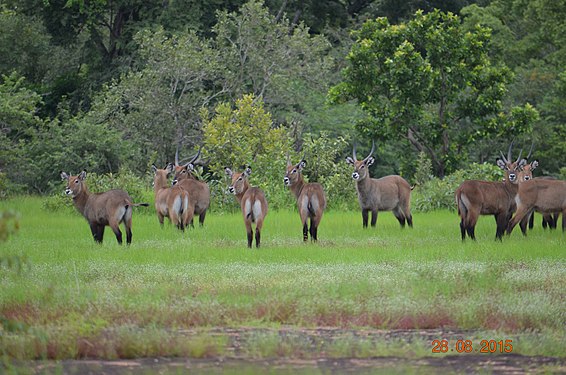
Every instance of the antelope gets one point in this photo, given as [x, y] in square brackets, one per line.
[311, 201]
[475, 198]
[252, 202]
[101, 209]
[546, 196]
[389, 193]
[198, 190]
[171, 201]
[548, 220]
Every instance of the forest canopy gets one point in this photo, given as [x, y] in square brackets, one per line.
[113, 86]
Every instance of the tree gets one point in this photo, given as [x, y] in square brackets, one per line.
[431, 83]
[270, 58]
[531, 37]
[245, 136]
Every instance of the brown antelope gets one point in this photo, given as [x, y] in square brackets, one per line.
[171, 201]
[549, 220]
[475, 198]
[198, 190]
[311, 201]
[389, 193]
[101, 209]
[252, 201]
[546, 196]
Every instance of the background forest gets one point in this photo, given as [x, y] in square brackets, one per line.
[441, 86]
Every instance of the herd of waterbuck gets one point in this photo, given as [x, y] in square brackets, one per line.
[519, 193]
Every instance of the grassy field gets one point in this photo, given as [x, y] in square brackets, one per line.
[181, 295]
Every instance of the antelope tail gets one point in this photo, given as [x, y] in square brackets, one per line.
[310, 208]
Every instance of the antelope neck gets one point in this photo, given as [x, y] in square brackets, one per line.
[81, 199]
[297, 187]
[240, 195]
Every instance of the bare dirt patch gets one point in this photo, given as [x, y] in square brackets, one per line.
[313, 358]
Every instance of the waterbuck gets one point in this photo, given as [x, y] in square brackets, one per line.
[171, 201]
[389, 193]
[198, 190]
[549, 220]
[100, 209]
[311, 201]
[252, 201]
[546, 196]
[475, 198]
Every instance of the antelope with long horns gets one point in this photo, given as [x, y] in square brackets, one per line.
[389, 193]
[198, 190]
[252, 202]
[101, 209]
[311, 200]
[537, 194]
[475, 198]
[171, 201]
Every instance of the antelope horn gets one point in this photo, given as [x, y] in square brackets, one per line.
[531, 150]
[288, 159]
[372, 149]
[196, 156]
[503, 158]
[509, 151]
[354, 152]
[177, 155]
[519, 158]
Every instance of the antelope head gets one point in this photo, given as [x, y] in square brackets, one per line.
[293, 174]
[75, 184]
[511, 168]
[526, 173]
[361, 166]
[239, 180]
[183, 171]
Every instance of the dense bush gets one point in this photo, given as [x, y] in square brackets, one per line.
[438, 193]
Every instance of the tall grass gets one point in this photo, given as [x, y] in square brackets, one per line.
[79, 299]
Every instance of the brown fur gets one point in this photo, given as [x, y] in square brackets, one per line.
[311, 200]
[543, 195]
[389, 193]
[252, 202]
[101, 209]
[172, 202]
[475, 198]
[198, 190]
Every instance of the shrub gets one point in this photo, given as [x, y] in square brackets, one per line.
[439, 193]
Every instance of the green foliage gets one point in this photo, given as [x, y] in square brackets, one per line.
[437, 193]
[530, 37]
[429, 81]
[423, 172]
[245, 136]
[326, 165]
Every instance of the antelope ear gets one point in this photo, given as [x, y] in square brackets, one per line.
[534, 164]
[501, 164]
[228, 172]
[64, 176]
[370, 161]
[302, 164]
[349, 160]
[522, 163]
[190, 167]
[170, 168]
[82, 175]
[248, 171]
[153, 168]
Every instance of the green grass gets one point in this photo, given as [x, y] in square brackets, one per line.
[76, 299]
